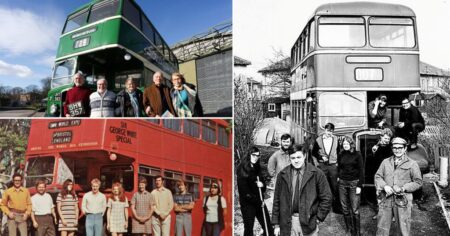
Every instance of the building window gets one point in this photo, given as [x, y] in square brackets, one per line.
[271, 106]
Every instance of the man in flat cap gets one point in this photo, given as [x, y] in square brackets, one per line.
[396, 179]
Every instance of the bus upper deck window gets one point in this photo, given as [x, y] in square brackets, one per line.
[391, 32]
[76, 20]
[341, 32]
[103, 10]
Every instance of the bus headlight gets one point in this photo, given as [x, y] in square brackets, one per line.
[53, 109]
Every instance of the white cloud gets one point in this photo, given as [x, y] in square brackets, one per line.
[16, 70]
[46, 60]
[24, 32]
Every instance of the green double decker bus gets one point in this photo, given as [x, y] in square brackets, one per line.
[108, 39]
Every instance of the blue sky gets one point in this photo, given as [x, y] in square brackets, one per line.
[31, 29]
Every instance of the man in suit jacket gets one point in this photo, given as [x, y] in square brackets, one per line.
[157, 101]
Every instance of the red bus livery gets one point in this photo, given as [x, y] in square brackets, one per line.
[197, 151]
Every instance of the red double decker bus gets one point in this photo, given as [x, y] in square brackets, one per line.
[197, 151]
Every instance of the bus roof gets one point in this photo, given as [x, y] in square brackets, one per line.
[364, 8]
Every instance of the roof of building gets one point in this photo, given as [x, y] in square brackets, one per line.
[279, 66]
[277, 100]
[241, 62]
[427, 69]
[252, 81]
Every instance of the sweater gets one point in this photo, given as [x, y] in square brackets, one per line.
[102, 105]
[77, 102]
[350, 167]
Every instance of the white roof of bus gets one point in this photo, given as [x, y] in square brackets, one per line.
[364, 9]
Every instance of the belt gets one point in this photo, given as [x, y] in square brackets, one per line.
[44, 215]
[17, 211]
[326, 163]
[183, 213]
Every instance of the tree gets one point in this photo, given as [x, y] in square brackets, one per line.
[277, 73]
[438, 121]
[13, 143]
[248, 116]
[46, 86]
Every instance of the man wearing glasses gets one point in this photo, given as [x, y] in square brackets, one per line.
[410, 123]
[396, 179]
[16, 204]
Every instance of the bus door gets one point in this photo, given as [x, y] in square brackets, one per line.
[110, 174]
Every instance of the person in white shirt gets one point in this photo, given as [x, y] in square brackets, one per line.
[325, 154]
[43, 211]
[103, 101]
[94, 206]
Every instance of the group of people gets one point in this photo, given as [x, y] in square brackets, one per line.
[157, 100]
[410, 124]
[307, 189]
[150, 211]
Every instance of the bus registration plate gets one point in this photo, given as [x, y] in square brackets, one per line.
[368, 74]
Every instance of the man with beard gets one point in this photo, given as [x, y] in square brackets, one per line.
[249, 178]
[280, 158]
[77, 98]
[302, 197]
[396, 179]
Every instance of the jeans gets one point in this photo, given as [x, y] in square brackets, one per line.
[348, 197]
[249, 212]
[183, 222]
[94, 224]
[212, 229]
[331, 172]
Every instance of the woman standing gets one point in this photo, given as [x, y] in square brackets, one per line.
[117, 215]
[184, 97]
[67, 206]
[248, 186]
[351, 178]
[215, 208]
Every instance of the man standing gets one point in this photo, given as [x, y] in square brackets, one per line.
[280, 158]
[157, 101]
[16, 204]
[302, 198]
[164, 205]
[377, 112]
[43, 211]
[129, 100]
[102, 102]
[94, 206]
[396, 179]
[77, 98]
[142, 205]
[410, 123]
[184, 203]
[325, 152]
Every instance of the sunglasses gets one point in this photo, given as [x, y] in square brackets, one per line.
[397, 148]
[256, 155]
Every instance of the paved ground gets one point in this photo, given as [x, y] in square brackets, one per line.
[428, 221]
[16, 113]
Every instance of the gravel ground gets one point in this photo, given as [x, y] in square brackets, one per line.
[428, 221]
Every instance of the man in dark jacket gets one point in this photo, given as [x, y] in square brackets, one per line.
[77, 98]
[157, 100]
[129, 100]
[249, 180]
[302, 197]
[410, 123]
